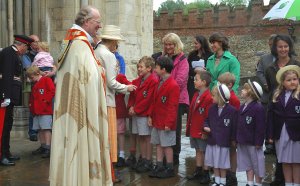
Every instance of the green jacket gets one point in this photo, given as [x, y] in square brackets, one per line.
[228, 63]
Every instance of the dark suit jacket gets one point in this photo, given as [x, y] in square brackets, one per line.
[251, 125]
[10, 67]
[264, 62]
[279, 114]
[223, 127]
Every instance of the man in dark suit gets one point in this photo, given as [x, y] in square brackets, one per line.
[11, 90]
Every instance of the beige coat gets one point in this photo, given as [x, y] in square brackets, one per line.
[80, 148]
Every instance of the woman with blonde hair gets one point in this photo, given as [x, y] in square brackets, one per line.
[173, 48]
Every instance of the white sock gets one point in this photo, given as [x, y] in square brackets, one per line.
[223, 181]
[217, 179]
[122, 154]
[258, 184]
[250, 183]
[296, 184]
[288, 184]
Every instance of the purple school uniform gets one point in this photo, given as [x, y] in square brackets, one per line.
[250, 133]
[223, 131]
[288, 114]
[288, 143]
[251, 124]
[223, 127]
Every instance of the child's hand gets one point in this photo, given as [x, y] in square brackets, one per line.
[271, 141]
[131, 88]
[167, 128]
[149, 121]
[206, 129]
[204, 136]
[233, 144]
[131, 111]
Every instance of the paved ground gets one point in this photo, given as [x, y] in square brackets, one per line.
[33, 170]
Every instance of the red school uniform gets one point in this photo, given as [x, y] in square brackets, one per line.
[42, 93]
[142, 98]
[165, 107]
[234, 100]
[198, 113]
[121, 109]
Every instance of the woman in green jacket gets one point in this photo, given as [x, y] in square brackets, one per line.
[222, 61]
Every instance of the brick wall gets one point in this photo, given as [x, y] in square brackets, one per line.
[247, 32]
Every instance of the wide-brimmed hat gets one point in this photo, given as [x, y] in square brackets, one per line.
[111, 32]
[224, 92]
[286, 68]
[23, 39]
[256, 88]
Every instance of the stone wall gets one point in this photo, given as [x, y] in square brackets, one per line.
[247, 32]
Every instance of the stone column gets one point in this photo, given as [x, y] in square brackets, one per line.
[19, 17]
[3, 25]
[10, 19]
[35, 12]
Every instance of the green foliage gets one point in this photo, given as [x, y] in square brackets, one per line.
[171, 6]
[234, 3]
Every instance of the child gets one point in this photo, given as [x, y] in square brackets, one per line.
[220, 126]
[228, 79]
[40, 106]
[251, 134]
[122, 114]
[284, 123]
[140, 107]
[43, 59]
[163, 118]
[198, 113]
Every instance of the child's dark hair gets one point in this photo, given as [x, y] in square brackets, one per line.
[166, 63]
[205, 76]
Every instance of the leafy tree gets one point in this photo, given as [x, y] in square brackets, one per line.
[234, 3]
[171, 5]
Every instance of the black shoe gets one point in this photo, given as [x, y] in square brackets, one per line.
[13, 157]
[131, 161]
[205, 179]
[33, 138]
[121, 162]
[144, 167]
[167, 173]
[231, 179]
[196, 175]
[7, 162]
[40, 150]
[155, 171]
[46, 153]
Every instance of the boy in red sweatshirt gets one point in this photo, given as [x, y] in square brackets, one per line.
[140, 108]
[198, 113]
[164, 116]
[41, 107]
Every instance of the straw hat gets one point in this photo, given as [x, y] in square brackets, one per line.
[111, 32]
[256, 88]
[286, 68]
[224, 92]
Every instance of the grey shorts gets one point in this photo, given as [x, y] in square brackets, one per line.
[140, 126]
[42, 122]
[198, 144]
[164, 138]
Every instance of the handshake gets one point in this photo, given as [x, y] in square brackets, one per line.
[5, 103]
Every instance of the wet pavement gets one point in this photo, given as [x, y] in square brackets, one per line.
[33, 170]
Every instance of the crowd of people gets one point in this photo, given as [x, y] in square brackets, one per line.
[82, 129]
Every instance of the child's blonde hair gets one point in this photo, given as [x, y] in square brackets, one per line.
[215, 93]
[33, 71]
[281, 88]
[44, 46]
[148, 62]
[227, 78]
[250, 91]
